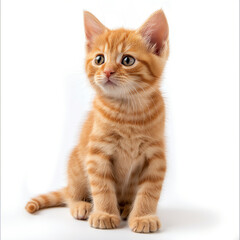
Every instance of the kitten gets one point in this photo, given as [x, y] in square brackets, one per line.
[118, 167]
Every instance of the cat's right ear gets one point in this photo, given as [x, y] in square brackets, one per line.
[93, 28]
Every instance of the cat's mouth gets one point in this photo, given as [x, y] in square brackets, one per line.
[109, 82]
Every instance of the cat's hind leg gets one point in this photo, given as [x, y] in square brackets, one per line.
[78, 195]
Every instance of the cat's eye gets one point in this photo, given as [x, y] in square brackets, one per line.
[99, 59]
[128, 60]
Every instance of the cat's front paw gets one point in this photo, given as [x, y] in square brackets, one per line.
[145, 224]
[104, 220]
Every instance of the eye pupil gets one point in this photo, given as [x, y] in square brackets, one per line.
[128, 61]
[99, 59]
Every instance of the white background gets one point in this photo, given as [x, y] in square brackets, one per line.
[45, 97]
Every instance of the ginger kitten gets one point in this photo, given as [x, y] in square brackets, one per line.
[118, 167]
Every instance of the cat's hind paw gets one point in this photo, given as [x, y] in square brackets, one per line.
[80, 210]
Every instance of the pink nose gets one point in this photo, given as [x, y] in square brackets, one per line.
[108, 72]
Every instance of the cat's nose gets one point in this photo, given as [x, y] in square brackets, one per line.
[108, 72]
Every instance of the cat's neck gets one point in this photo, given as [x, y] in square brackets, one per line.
[131, 104]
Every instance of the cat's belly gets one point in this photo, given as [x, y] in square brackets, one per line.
[127, 164]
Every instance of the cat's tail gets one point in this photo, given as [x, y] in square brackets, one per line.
[52, 199]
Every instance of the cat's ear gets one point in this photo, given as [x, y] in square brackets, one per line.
[93, 27]
[155, 31]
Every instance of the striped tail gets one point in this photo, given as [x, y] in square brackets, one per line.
[52, 199]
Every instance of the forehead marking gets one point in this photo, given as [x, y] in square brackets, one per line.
[105, 47]
[120, 46]
[127, 48]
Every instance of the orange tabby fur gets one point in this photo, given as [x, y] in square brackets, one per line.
[118, 167]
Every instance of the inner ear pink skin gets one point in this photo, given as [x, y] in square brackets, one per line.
[155, 31]
[93, 27]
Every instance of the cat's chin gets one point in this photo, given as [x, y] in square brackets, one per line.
[113, 91]
[109, 87]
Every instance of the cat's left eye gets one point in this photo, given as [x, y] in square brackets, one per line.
[128, 60]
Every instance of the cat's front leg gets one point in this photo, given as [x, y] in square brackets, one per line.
[105, 213]
[143, 217]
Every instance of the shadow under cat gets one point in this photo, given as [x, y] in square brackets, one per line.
[186, 218]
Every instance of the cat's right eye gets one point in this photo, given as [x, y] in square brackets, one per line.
[99, 59]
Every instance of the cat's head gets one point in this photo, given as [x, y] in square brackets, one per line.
[120, 63]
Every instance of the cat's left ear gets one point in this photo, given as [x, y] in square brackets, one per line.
[155, 31]
[93, 27]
